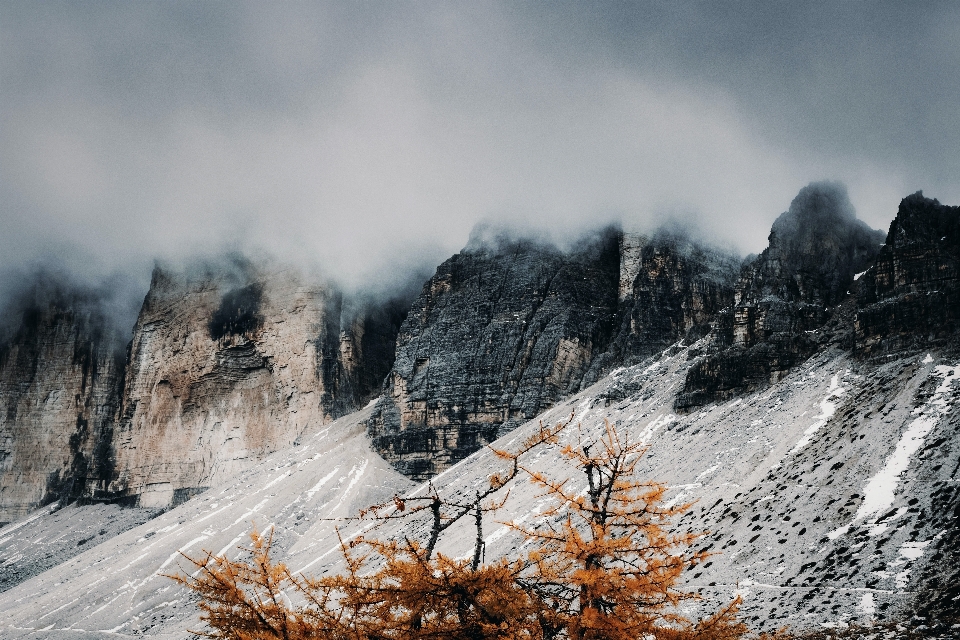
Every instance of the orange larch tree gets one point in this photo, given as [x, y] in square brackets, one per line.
[602, 566]
[603, 558]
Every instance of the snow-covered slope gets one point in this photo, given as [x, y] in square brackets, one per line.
[829, 496]
[117, 588]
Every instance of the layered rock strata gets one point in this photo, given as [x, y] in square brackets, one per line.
[230, 363]
[785, 297]
[911, 295]
[501, 331]
[507, 328]
[61, 373]
[671, 289]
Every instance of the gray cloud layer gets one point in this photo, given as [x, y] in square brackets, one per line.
[368, 138]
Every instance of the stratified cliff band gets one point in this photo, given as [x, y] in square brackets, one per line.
[506, 328]
[232, 360]
[61, 376]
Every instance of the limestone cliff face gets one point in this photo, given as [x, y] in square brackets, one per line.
[911, 296]
[502, 331]
[785, 296]
[61, 369]
[229, 364]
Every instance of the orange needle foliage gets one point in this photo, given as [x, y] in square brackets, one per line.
[602, 567]
[603, 558]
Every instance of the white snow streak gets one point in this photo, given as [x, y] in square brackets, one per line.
[176, 554]
[880, 492]
[322, 482]
[647, 434]
[827, 409]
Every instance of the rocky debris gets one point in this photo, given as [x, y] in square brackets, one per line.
[232, 361]
[117, 581]
[785, 296]
[911, 295]
[53, 535]
[912, 628]
[61, 374]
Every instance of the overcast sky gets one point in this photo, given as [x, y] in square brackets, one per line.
[370, 137]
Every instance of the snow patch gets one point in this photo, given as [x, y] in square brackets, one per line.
[647, 434]
[880, 491]
[827, 409]
[320, 484]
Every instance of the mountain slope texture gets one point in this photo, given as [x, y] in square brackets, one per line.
[803, 399]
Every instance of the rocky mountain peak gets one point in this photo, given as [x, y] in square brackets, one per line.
[911, 296]
[922, 219]
[785, 296]
[815, 249]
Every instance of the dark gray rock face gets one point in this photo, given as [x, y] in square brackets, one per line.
[503, 330]
[356, 350]
[911, 296]
[506, 329]
[786, 296]
[670, 289]
[61, 375]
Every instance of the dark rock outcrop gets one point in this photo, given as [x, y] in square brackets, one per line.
[504, 329]
[61, 374]
[671, 288]
[507, 328]
[911, 296]
[785, 296]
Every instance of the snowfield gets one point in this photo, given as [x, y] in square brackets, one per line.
[817, 496]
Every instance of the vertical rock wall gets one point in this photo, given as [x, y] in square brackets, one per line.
[911, 296]
[503, 330]
[670, 288]
[61, 370]
[507, 328]
[231, 362]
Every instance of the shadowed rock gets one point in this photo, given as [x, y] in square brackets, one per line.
[61, 375]
[785, 296]
[911, 297]
[507, 328]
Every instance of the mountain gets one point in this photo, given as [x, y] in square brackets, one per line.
[61, 376]
[506, 328]
[229, 361]
[786, 298]
[802, 398]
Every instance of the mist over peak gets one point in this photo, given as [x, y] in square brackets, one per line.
[363, 141]
[110, 303]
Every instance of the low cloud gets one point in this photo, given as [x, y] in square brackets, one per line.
[366, 141]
